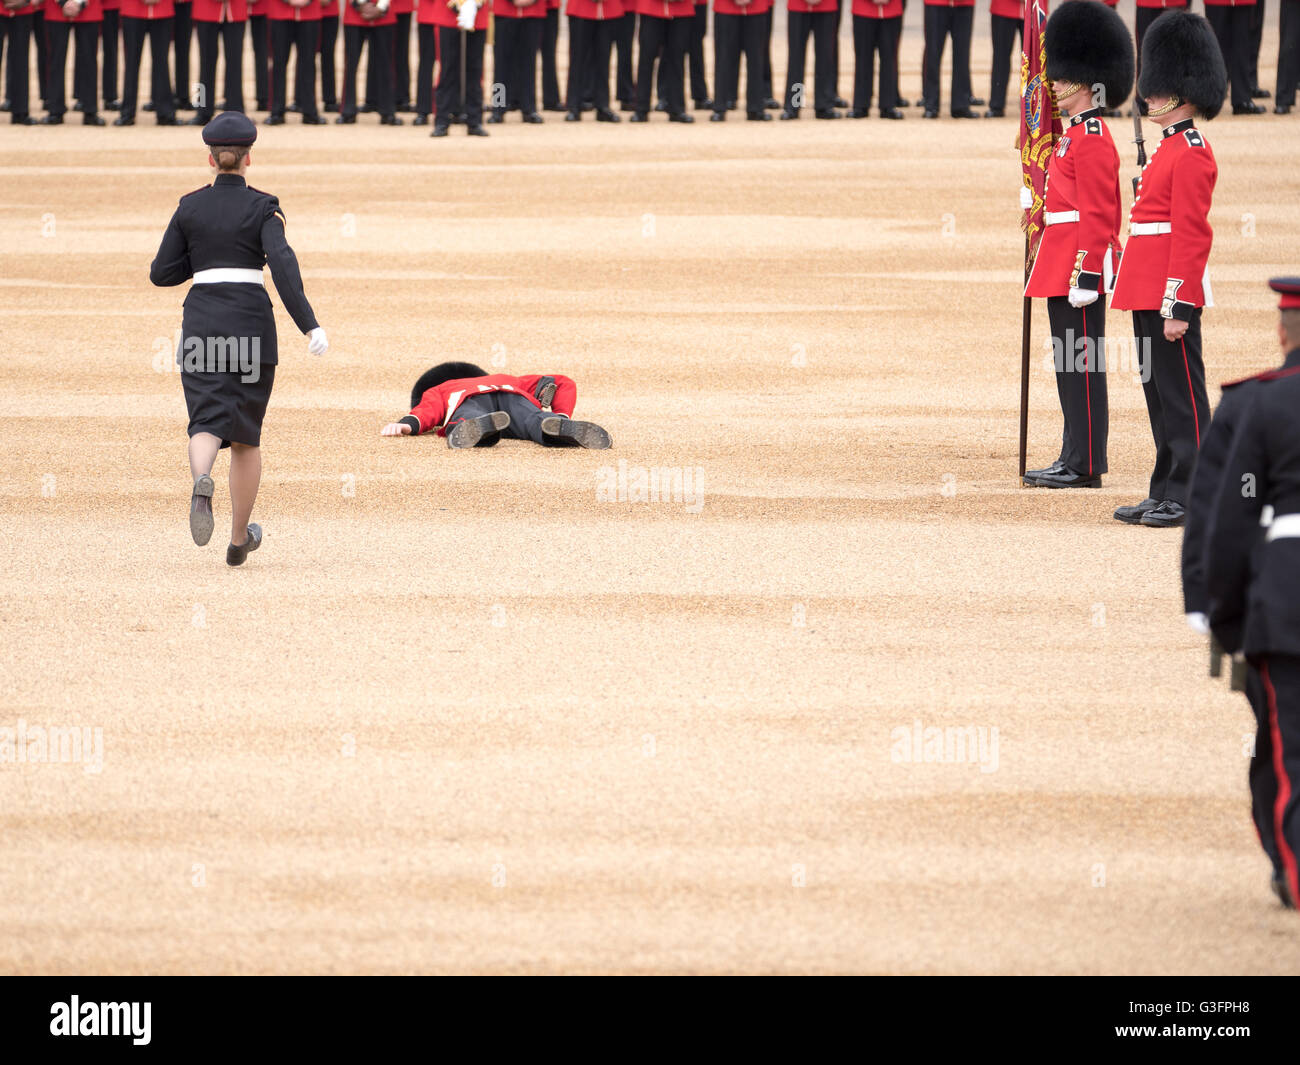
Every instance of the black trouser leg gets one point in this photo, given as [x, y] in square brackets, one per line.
[281, 42]
[352, 38]
[677, 43]
[727, 32]
[887, 45]
[259, 31]
[112, 27]
[582, 50]
[550, 79]
[208, 35]
[504, 96]
[1280, 678]
[1288, 52]
[625, 42]
[1003, 31]
[329, 38]
[57, 33]
[232, 36]
[133, 31]
[963, 19]
[42, 50]
[475, 47]
[17, 72]
[160, 46]
[824, 54]
[602, 47]
[85, 70]
[938, 21]
[1257, 15]
[478, 406]
[402, 61]
[526, 65]
[1176, 401]
[306, 41]
[767, 56]
[1231, 27]
[699, 28]
[1078, 334]
[525, 419]
[426, 37]
[1261, 773]
[753, 42]
[382, 39]
[181, 30]
[798, 27]
[1145, 16]
[448, 96]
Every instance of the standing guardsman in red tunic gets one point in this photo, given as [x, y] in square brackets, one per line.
[1090, 66]
[1164, 278]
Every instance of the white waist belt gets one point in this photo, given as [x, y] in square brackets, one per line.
[1285, 527]
[1149, 229]
[228, 275]
[1056, 218]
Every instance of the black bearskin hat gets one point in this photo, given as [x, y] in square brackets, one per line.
[443, 372]
[1088, 43]
[1180, 57]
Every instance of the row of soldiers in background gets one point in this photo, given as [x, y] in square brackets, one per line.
[671, 35]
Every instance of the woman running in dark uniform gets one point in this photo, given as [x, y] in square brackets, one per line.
[220, 236]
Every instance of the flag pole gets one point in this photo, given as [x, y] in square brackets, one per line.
[1024, 370]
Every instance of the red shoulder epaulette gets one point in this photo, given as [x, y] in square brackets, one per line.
[201, 188]
[1267, 375]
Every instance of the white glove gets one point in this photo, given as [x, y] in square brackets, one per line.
[465, 17]
[1081, 297]
[1198, 623]
[317, 342]
[1026, 198]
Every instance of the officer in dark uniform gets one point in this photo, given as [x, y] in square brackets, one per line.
[220, 237]
[1253, 585]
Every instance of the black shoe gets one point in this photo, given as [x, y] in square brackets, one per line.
[124, 120]
[332, 108]
[22, 120]
[579, 434]
[826, 113]
[77, 105]
[439, 131]
[420, 119]
[1247, 109]
[995, 112]
[718, 116]
[112, 105]
[660, 106]
[1260, 94]
[904, 102]
[470, 431]
[604, 114]
[1282, 109]
[496, 118]
[294, 109]
[757, 116]
[859, 112]
[840, 102]
[534, 119]
[201, 510]
[771, 104]
[637, 116]
[166, 120]
[575, 116]
[477, 131]
[930, 112]
[1280, 889]
[1133, 515]
[1168, 515]
[198, 120]
[967, 113]
[235, 555]
[318, 120]
[891, 112]
[275, 120]
[1031, 476]
[388, 120]
[346, 120]
[148, 108]
[52, 120]
[92, 120]
[1067, 478]
[4, 106]
[977, 101]
[704, 105]
[787, 115]
[682, 116]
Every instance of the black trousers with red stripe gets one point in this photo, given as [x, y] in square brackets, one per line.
[1179, 409]
[1079, 346]
[1273, 688]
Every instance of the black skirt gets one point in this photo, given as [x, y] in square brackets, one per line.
[227, 406]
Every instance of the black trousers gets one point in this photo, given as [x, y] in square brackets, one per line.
[518, 40]
[181, 33]
[1231, 26]
[329, 37]
[732, 35]
[941, 23]
[259, 33]
[380, 41]
[694, 57]
[303, 36]
[821, 25]
[85, 68]
[525, 417]
[665, 40]
[590, 41]
[42, 51]
[109, 38]
[1257, 16]
[402, 61]
[1004, 32]
[159, 33]
[1078, 336]
[1288, 52]
[18, 45]
[767, 59]
[230, 35]
[550, 79]
[426, 39]
[872, 35]
[1176, 401]
[625, 46]
[448, 94]
[1275, 767]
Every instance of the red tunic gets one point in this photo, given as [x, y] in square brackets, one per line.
[1082, 178]
[816, 8]
[754, 7]
[283, 11]
[29, 9]
[220, 11]
[877, 9]
[91, 12]
[1168, 271]
[440, 13]
[440, 403]
[352, 17]
[663, 8]
[402, 7]
[1162, 3]
[949, 3]
[1008, 8]
[507, 9]
[139, 9]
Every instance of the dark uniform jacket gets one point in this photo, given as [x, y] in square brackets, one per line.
[1262, 468]
[228, 224]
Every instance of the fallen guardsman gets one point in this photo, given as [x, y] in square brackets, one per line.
[473, 408]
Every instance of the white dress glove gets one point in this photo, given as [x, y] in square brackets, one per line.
[465, 17]
[1081, 297]
[1198, 623]
[317, 342]
[1026, 198]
